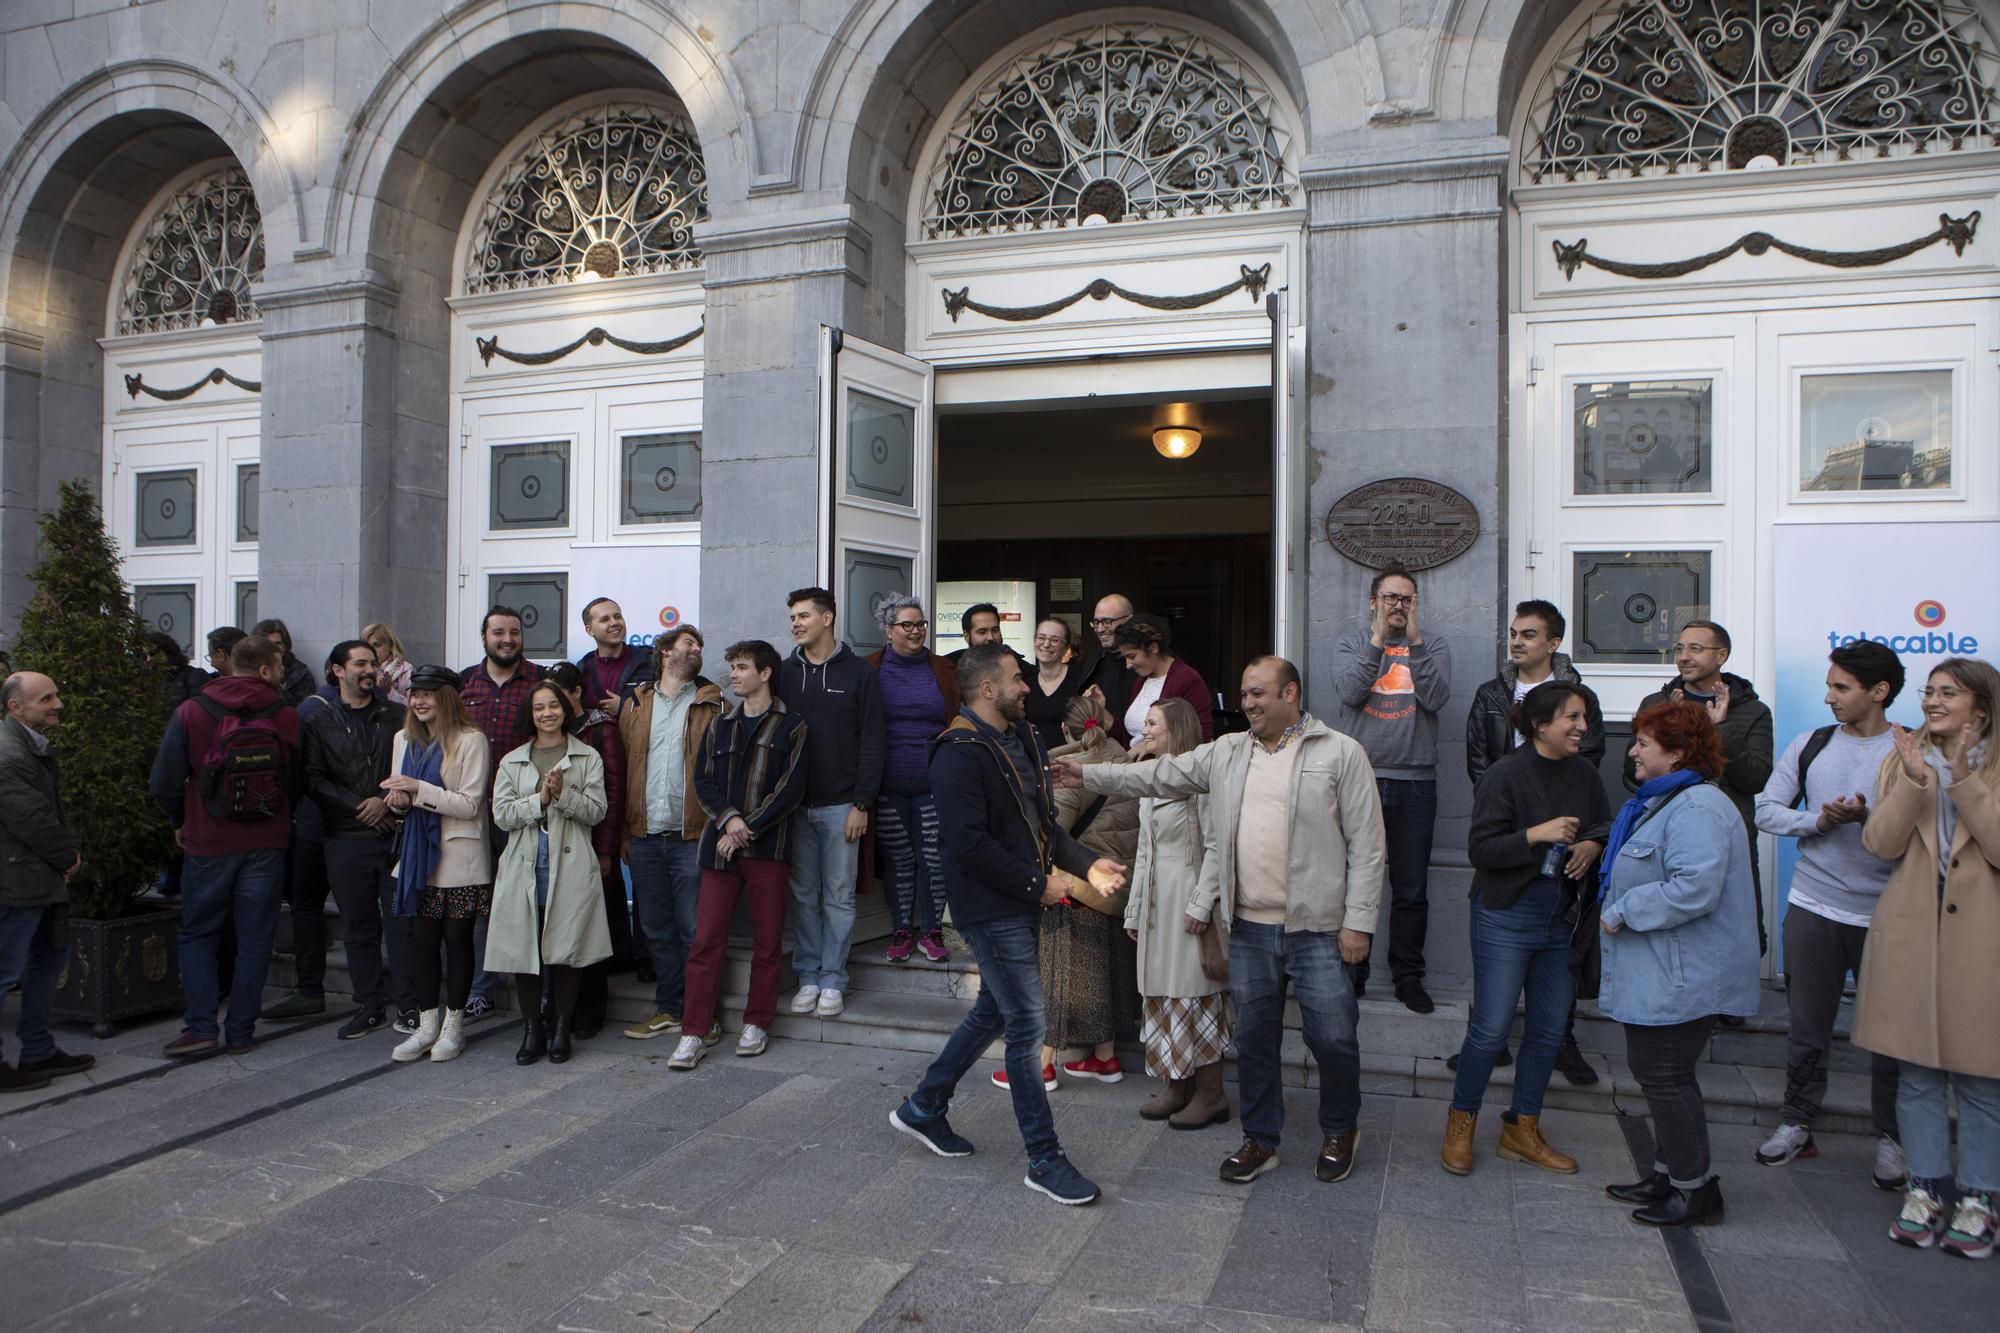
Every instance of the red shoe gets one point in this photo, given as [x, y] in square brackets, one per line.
[1104, 1071]
[1048, 1078]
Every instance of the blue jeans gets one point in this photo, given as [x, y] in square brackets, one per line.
[1921, 1117]
[1409, 817]
[1261, 960]
[243, 887]
[906, 826]
[1008, 952]
[666, 890]
[824, 867]
[1525, 945]
[28, 955]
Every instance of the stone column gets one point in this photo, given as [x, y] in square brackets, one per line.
[340, 544]
[770, 284]
[1407, 374]
[20, 471]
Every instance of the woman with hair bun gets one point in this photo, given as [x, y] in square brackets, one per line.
[1539, 820]
[1678, 916]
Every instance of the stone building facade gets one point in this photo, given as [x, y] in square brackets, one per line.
[312, 290]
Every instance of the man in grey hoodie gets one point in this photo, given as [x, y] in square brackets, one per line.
[1393, 680]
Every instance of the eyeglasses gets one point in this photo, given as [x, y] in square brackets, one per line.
[1397, 599]
[1107, 622]
[1057, 639]
[1943, 693]
[1697, 648]
[915, 626]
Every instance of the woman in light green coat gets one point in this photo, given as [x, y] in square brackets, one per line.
[548, 903]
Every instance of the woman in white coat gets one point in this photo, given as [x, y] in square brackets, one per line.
[1185, 1022]
[438, 771]
[548, 903]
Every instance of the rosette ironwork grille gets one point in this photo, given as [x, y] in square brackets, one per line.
[196, 258]
[1657, 87]
[609, 192]
[1123, 124]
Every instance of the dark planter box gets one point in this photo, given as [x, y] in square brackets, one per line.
[121, 969]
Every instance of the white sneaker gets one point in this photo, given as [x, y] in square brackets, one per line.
[413, 1046]
[1891, 1171]
[753, 1040]
[830, 1003]
[803, 1002]
[1786, 1143]
[687, 1054]
[451, 1037]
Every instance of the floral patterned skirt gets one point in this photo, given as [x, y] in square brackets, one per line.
[455, 903]
[1090, 977]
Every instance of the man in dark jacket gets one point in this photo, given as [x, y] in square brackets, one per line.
[837, 695]
[1005, 858]
[1109, 679]
[347, 747]
[1700, 652]
[232, 814]
[38, 854]
[614, 668]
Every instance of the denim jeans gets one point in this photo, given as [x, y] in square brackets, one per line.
[824, 867]
[358, 866]
[1261, 960]
[1522, 946]
[906, 827]
[28, 955]
[1920, 1114]
[666, 890]
[1663, 1064]
[1818, 956]
[244, 888]
[1008, 952]
[1409, 817]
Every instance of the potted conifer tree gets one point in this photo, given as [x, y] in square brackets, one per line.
[81, 630]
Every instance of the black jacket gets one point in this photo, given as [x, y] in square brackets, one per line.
[840, 701]
[998, 839]
[347, 756]
[37, 846]
[1114, 681]
[1488, 738]
[1746, 748]
[299, 683]
[753, 768]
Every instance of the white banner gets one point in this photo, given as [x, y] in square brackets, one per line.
[657, 587]
[1014, 598]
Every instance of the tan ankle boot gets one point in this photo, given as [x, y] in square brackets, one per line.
[1521, 1141]
[1456, 1155]
[1173, 1096]
[1207, 1106]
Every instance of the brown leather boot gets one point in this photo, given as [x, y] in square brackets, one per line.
[1207, 1106]
[1173, 1096]
[1456, 1155]
[1521, 1141]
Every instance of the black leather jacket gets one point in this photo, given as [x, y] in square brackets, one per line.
[346, 758]
[1487, 735]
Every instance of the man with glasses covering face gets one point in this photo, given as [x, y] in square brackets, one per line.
[1701, 650]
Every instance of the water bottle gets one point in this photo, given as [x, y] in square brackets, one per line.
[1554, 857]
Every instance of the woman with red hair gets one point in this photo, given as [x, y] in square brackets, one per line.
[1678, 914]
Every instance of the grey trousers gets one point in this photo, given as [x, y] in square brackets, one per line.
[1818, 956]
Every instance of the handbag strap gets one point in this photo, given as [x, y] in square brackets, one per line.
[1090, 812]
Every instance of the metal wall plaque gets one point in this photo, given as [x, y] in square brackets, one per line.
[1421, 523]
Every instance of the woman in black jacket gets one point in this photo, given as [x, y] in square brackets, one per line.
[1539, 820]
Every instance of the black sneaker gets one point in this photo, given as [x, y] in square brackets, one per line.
[1062, 1182]
[296, 1005]
[361, 1024]
[933, 1131]
[407, 1022]
[1569, 1059]
[1410, 990]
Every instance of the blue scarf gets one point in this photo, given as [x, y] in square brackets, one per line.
[1631, 813]
[423, 831]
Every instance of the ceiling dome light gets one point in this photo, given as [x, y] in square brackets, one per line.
[1176, 442]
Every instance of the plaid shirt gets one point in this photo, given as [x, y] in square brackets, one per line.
[496, 709]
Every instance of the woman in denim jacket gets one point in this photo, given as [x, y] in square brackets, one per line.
[1679, 923]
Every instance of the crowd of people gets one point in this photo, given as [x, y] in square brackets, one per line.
[1111, 863]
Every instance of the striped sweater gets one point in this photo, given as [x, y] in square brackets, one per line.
[753, 768]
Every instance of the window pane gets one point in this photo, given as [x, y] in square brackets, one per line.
[246, 603]
[541, 599]
[660, 478]
[530, 486]
[247, 488]
[1644, 437]
[1630, 604]
[1883, 430]
[881, 449]
[869, 580]
[166, 509]
[168, 608]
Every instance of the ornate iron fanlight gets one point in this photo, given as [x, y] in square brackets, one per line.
[200, 251]
[1111, 124]
[1652, 87]
[609, 192]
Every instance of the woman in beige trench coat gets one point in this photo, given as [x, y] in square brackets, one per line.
[1930, 978]
[548, 902]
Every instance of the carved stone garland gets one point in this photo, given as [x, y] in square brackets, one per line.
[609, 192]
[196, 258]
[1118, 124]
[1655, 87]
